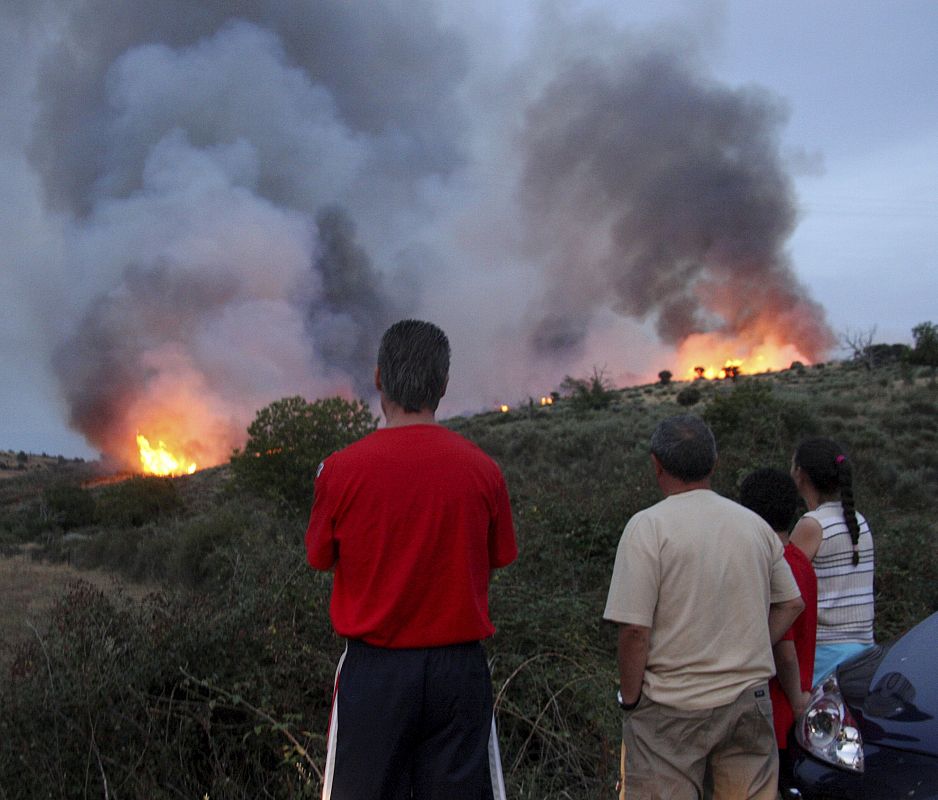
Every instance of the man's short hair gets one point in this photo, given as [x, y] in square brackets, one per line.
[414, 361]
[772, 494]
[685, 446]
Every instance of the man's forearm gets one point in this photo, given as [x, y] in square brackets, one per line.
[786, 670]
[633, 655]
[781, 617]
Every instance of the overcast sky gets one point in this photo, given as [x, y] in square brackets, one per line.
[424, 138]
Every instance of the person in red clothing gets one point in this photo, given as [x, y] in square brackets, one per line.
[412, 519]
[772, 494]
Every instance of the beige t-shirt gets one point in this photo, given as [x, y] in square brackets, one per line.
[701, 572]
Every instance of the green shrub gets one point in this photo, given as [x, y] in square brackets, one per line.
[139, 554]
[206, 551]
[198, 552]
[925, 351]
[68, 506]
[223, 695]
[754, 428]
[592, 393]
[137, 501]
[752, 410]
[289, 438]
[926, 407]
[911, 489]
[688, 396]
[906, 570]
[840, 409]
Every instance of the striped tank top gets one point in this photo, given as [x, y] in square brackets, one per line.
[844, 591]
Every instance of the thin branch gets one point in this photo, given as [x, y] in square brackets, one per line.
[45, 653]
[526, 663]
[97, 755]
[536, 725]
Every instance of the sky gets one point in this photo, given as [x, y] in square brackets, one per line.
[204, 208]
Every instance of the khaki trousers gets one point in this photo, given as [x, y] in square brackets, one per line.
[725, 753]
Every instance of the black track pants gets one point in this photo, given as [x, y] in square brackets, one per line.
[413, 723]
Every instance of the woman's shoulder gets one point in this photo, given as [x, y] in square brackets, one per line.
[807, 535]
[826, 513]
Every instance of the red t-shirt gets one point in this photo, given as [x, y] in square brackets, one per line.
[413, 519]
[804, 633]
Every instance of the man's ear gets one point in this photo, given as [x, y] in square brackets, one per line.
[445, 384]
[378, 378]
[659, 470]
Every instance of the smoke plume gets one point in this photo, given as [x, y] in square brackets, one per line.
[205, 154]
[243, 194]
[648, 185]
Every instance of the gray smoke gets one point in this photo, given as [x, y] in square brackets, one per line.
[646, 184]
[194, 145]
[347, 322]
[297, 76]
[246, 192]
[115, 355]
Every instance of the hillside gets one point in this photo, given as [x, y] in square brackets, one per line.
[15, 464]
[221, 683]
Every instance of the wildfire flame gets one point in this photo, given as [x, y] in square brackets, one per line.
[160, 460]
[504, 408]
[732, 366]
[705, 355]
[547, 400]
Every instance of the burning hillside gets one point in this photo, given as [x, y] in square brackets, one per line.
[713, 356]
[651, 191]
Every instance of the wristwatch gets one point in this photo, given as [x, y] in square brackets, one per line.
[627, 706]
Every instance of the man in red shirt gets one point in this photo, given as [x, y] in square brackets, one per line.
[772, 494]
[412, 519]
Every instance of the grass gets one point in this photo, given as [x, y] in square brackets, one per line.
[30, 589]
[220, 683]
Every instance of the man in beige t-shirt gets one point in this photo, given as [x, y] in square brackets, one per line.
[700, 591]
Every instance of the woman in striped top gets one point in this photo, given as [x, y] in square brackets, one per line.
[837, 540]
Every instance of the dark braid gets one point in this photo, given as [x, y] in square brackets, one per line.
[845, 474]
[828, 468]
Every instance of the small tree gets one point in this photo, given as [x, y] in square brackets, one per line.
[751, 421]
[925, 351]
[688, 396]
[595, 392]
[860, 344]
[289, 438]
[665, 377]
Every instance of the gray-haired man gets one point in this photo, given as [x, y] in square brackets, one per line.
[700, 591]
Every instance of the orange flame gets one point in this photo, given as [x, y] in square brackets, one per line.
[547, 400]
[160, 460]
[710, 351]
[504, 408]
